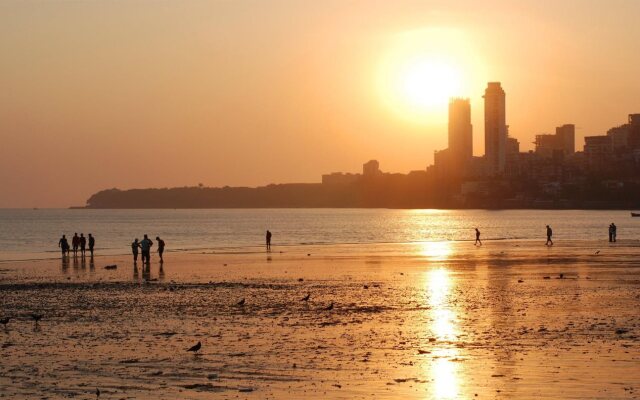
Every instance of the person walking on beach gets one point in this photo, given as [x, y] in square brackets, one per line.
[549, 234]
[268, 240]
[134, 249]
[611, 232]
[614, 231]
[75, 242]
[145, 246]
[63, 243]
[83, 244]
[160, 248]
[92, 243]
[477, 238]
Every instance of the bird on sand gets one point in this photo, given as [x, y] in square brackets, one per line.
[196, 347]
[306, 298]
[4, 321]
[241, 302]
[597, 252]
[36, 317]
[329, 307]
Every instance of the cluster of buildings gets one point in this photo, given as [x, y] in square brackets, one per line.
[607, 166]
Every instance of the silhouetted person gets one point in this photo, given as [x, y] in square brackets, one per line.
[477, 238]
[145, 246]
[92, 243]
[83, 244]
[75, 242]
[134, 249]
[63, 243]
[614, 231]
[611, 232]
[160, 247]
[268, 240]
[549, 234]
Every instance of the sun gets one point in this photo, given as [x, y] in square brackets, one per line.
[428, 82]
[423, 69]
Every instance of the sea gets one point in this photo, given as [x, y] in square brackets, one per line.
[28, 234]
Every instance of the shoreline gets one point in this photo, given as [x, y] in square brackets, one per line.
[293, 247]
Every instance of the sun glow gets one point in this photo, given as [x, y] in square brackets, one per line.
[423, 69]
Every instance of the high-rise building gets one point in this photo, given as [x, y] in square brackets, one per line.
[495, 128]
[460, 135]
[567, 138]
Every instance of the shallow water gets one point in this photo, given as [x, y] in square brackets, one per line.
[34, 234]
[431, 321]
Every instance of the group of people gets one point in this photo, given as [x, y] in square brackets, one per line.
[78, 243]
[144, 247]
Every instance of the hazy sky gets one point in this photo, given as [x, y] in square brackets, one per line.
[102, 94]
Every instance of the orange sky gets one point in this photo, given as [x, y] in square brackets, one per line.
[96, 95]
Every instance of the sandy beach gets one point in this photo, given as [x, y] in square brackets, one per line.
[440, 320]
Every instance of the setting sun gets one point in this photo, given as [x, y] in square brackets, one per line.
[423, 69]
[429, 82]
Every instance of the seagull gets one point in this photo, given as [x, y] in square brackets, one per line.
[306, 298]
[329, 307]
[241, 302]
[195, 348]
[4, 321]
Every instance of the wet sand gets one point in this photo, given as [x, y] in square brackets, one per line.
[445, 320]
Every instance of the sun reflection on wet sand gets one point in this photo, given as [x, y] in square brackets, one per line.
[437, 251]
[444, 368]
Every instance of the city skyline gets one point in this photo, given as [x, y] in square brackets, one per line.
[247, 94]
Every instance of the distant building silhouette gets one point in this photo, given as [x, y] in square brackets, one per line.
[371, 169]
[559, 145]
[495, 129]
[460, 136]
[513, 146]
[339, 178]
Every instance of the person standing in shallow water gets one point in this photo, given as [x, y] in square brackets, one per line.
[92, 243]
[145, 246]
[478, 241]
[268, 240]
[160, 247]
[134, 250]
[83, 244]
[549, 234]
[75, 242]
[64, 245]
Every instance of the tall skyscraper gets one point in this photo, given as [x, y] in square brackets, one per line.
[460, 135]
[495, 128]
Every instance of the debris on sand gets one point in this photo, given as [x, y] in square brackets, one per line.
[114, 266]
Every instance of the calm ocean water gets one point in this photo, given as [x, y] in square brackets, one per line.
[28, 234]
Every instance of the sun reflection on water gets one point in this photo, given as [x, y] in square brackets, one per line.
[444, 368]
